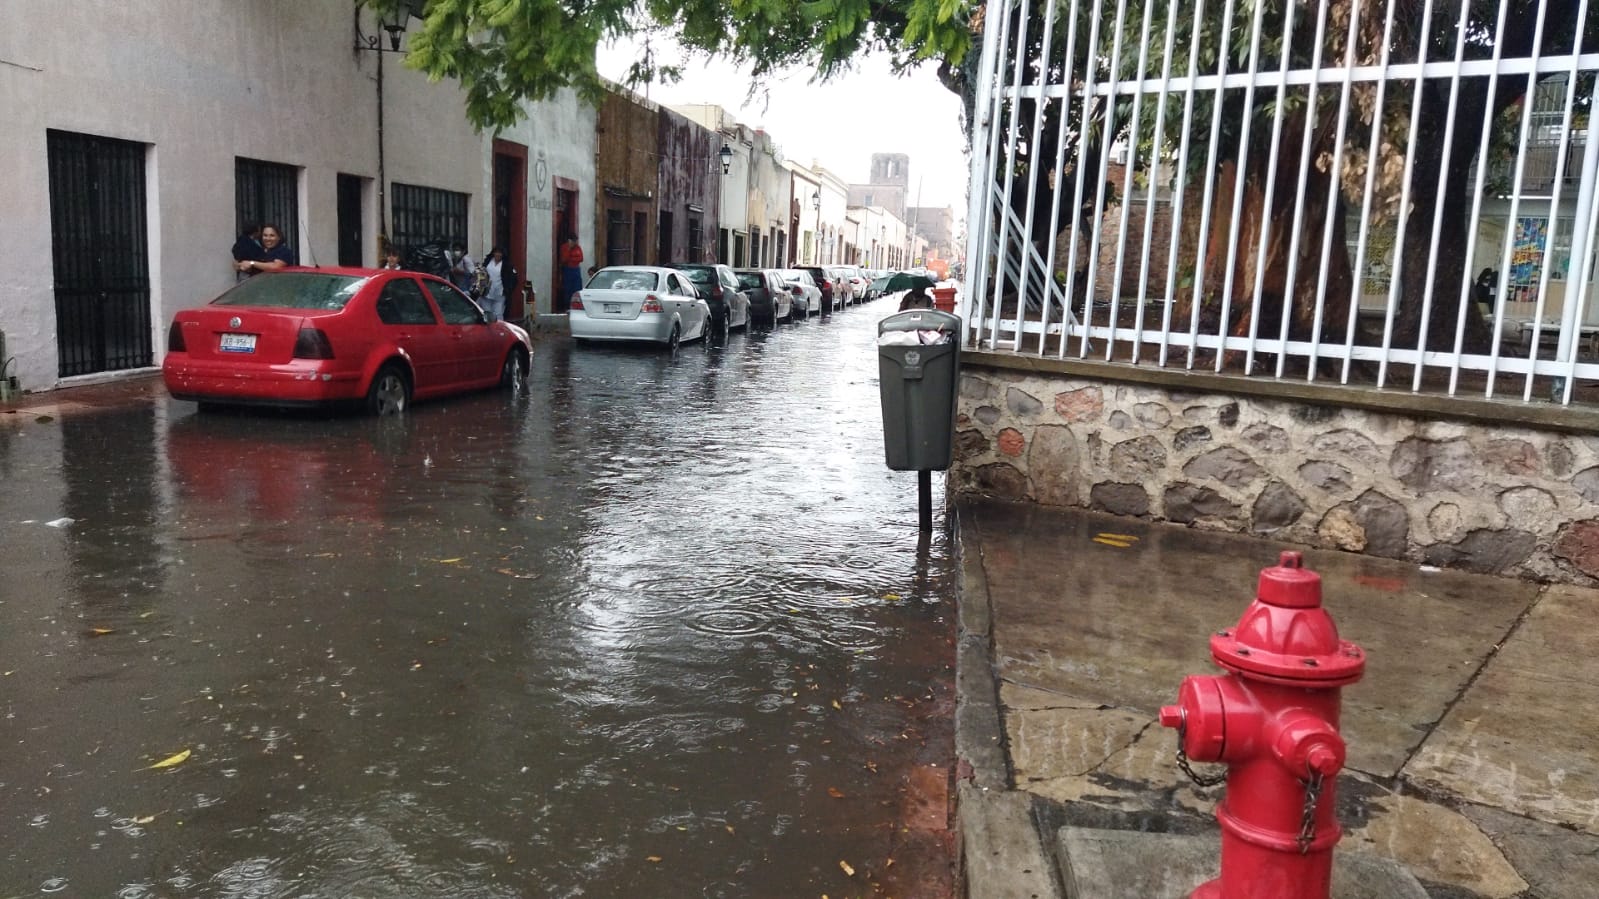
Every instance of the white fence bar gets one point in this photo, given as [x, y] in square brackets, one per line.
[1437, 154]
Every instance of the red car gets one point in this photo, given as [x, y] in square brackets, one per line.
[332, 336]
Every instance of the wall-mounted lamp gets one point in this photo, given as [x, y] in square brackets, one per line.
[726, 155]
[816, 200]
[393, 23]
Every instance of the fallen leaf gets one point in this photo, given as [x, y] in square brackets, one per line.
[837, 706]
[1128, 537]
[145, 820]
[891, 597]
[729, 827]
[1108, 542]
[835, 792]
[846, 868]
[100, 631]
[448, 561]
[653, 859]
[872, 767]
[171, 760]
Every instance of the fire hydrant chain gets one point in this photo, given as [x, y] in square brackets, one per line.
[1203, 780]
[1307, 818]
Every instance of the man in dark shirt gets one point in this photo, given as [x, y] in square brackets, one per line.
[248, 247]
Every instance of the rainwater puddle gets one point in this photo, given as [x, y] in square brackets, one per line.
[660, 627]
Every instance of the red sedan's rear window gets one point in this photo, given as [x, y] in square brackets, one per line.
[293, 290]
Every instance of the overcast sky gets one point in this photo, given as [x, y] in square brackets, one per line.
[839, 124]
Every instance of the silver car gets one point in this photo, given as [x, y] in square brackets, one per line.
[807, 295]
[639, 302]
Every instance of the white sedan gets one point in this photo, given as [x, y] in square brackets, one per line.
[639, 302]
[807, 295]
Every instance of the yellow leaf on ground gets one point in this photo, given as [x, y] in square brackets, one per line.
[653, 859]
[891, 597]
[1127, 537]
[101, 631]
[145, 820]
[448, 561]
[171, 760]
[1109, 542]
[835, 792]
[844, 865]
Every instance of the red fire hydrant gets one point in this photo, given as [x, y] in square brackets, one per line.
[1273, 718]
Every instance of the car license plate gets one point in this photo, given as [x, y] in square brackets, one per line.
[613, 307]
[238, 343]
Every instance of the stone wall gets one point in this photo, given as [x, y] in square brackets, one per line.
[1501, 500]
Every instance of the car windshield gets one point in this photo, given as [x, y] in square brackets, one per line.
[699, 275]
[623, 279]
[293, 290]
[793, 275]
[750, 279]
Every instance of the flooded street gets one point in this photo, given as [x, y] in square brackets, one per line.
[660, 627]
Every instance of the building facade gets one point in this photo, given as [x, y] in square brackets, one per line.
[122, 204]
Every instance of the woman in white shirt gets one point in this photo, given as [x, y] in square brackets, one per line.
[494, 298]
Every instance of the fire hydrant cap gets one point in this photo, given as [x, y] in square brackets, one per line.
[1285, 636]
[1290, 585]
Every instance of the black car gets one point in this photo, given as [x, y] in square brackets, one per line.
[769, 302]
[730, 306]
[825, 282]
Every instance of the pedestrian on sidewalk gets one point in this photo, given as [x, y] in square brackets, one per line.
[247, 248]
[571, 269]
[462, 267]
[503, 281]
[275, 254]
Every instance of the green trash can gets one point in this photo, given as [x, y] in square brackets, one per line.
[918, 367]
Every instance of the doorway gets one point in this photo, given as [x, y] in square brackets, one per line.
[351, 240]
[509, 224]
[565, 223]
[100, 250]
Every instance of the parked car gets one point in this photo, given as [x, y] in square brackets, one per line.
[326, 336]
[843, 291]
[807, 296]
[730, 306]
[770, 300]
[639, 302]
[820, 277]
[857, 283]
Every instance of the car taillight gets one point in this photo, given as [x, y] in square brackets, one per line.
[652, 303]
[312, 344]
[577, 301]
[175, 339]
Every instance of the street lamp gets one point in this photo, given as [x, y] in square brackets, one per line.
[393, 24]
[816, 244]
[726, 155]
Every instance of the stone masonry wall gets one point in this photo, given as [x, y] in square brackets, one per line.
[1505, 501]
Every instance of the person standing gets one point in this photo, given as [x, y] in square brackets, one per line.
[248, 244]
[275, 254]
[571, 269]
[462, 268]
[502, 283]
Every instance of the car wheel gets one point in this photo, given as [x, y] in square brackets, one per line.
[513, 374]
[390, 392]
[675, 338]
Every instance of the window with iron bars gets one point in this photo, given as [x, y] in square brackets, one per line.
[424, 214]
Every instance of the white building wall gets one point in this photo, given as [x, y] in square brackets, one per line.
[559, 136]
[202, 82]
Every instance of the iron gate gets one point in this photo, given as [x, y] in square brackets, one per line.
[100, 253]
[268, 193]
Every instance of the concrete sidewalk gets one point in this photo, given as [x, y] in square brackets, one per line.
[1472, 737]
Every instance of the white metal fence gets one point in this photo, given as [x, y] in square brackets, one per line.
[1399, 193]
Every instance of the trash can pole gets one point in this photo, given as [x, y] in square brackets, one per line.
[924, 492]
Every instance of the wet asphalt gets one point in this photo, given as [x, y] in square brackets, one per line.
[656, 626]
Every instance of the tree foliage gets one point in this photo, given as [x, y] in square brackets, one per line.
[505, 51]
